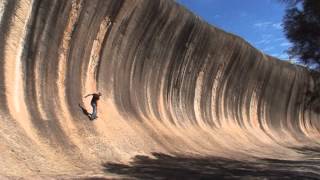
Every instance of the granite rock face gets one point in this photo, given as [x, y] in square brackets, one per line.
[171, 83]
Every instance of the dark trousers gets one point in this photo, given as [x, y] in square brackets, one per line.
[94, 110]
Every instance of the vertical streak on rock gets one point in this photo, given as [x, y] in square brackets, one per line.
[91, 74]
[14, 70]
[6, 20]
[40, 57]
[38, 75]
[62, 111]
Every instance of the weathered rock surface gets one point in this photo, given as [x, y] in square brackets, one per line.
[171, 84]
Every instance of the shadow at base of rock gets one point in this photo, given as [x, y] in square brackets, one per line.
[163, 166]
[85, 112]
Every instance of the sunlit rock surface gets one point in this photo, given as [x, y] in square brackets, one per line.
[172, 85]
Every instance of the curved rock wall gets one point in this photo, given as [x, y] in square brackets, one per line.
[171, 83]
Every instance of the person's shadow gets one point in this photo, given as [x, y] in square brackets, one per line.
[85, 112]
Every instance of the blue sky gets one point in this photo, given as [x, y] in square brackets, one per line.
[257, 21]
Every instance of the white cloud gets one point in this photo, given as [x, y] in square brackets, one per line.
[267, 36]
[263, 41]
[243, 14]
[268, 48]
[283, 56]
[279, 39]
[277, 25]
[285, 44]
[262, 24]
[217, 16]
[268, 24]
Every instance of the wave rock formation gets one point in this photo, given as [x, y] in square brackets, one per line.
[171, 84]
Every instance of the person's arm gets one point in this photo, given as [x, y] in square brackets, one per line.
[88, 95]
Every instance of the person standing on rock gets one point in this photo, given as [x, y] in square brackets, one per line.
[94, 104]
